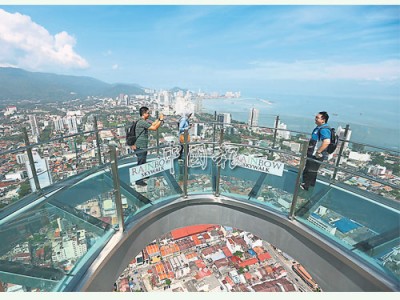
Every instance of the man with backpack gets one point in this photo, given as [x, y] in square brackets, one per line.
[317, 149]
[142, 127]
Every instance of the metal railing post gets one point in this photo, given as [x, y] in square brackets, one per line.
[117, 188]
[30, 158]
[157, 136]
[214, 128]
[186, 161]
[76, 155]
[346, 130]
[218, 177]
[275, 132]
[97, 140]
[303, 159]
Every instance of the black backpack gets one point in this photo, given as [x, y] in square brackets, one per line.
[334, 141]
[131, 134]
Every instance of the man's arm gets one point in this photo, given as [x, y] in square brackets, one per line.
[325, 136]
[324, 145]
[157, 123]
[183, 125]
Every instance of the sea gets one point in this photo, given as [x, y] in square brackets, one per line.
[372, 121]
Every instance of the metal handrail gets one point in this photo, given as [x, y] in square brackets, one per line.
[272, 149]
[166, 122]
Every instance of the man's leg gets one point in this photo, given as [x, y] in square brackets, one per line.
[306, 176]
[181, 152]
[141, 159]
[315, 169]
[310, 174]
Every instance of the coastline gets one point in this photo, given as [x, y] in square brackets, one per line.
[298, 114]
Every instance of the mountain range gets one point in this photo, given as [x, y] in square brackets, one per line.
[18, 84]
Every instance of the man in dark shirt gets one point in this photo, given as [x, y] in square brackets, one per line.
[319, 141]
[142, 134]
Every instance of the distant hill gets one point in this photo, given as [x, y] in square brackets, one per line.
[177, 89]
[18, 84]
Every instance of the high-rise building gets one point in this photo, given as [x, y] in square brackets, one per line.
[125, 100]
[34, 126]
[58, 124]
[69, 247]
[253, 117]
[225, 118]
[283, 134]
[183, 105]
[72, 125]
[340, 132]
[121, 131]
[197, 129]
[21, 158]
[77, 114]
[198, 105]
[166, 98]
[42, 171]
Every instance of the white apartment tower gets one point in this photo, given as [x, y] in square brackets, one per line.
[166, 102]
[123, 99]
[34, 126]
[166, 98]
[198, 105]
[58, 124]
[183, 106]
[225, 118]
[21, 158]
[69, 247]
[42, 171]
[253, 117]
[340, 133]
[197, 129]
[283, 134]
[72, 125]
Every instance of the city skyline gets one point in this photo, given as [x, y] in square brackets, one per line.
[307, 49]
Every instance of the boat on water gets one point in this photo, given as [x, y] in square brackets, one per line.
[265, 101]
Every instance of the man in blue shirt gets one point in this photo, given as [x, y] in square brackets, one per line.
[319, 141]
[183, 125]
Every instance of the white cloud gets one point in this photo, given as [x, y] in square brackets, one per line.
[115, 67]
[25, 44]
[388, 70]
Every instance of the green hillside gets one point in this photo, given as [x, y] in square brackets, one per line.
[18, 84]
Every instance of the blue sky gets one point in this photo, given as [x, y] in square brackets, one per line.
[282, 49]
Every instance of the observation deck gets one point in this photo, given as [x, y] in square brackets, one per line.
[81, 231]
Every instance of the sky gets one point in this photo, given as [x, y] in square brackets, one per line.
[289, 49]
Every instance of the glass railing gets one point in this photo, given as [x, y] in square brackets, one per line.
[52, 234]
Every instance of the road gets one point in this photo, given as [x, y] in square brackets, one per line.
[287, 264]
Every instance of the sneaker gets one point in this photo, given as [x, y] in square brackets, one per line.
[141, 183]
[303, 187]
